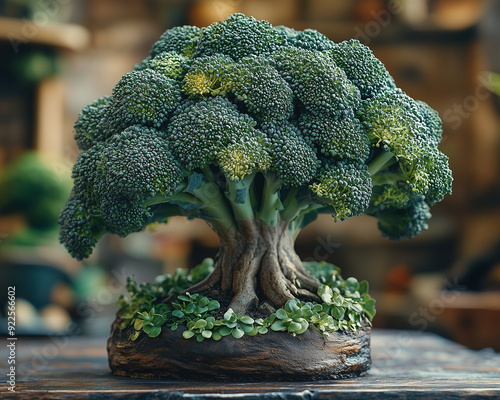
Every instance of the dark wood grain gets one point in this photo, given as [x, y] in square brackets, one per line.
[404, 366]
[275, 356]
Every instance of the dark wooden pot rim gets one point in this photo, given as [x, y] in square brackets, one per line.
[275, 356]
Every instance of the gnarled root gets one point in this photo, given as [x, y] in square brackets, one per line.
[258, 264]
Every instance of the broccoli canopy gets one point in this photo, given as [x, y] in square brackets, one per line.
[244, 120]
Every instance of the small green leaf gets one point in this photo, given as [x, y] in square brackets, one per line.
[152, 331]
[294, 327]
[357, 307]
[201, 310]
[135, 335]
[278, 326]
[200, 338]
[203, 302]
[237, 333]
[281, 314]
[263, 330]
[207, 334]
[291, 305]
[178, 313]
[270, 319]
[183, 298]
[245, 327]
[201, 323]
[247, 320]
[213, 305]
[224, 330]
[158, 320]
[190, 308]
[304, 327]
[228, 314]
[210, 323]
[327, 298]
[188, 334]
[138, 324]
[338, 312]
[252, 332]
[317, 308]
[216, 335]
[352, 283]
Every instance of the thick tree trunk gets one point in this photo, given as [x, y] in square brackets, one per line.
[259, 267]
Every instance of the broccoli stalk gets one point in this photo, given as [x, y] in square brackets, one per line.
[256, 130]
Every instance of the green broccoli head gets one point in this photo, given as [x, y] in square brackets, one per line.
[245, 120]
[345, 186]
[87, 129]
[362, 68]
[180, 40]
[402, 221]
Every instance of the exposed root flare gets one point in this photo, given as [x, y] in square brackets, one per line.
[259, 260]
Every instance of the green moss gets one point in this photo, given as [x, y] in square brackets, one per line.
[346, 306]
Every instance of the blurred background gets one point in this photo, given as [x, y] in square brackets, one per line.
[59, 55]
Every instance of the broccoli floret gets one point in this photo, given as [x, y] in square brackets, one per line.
[293, 160]
[180, 39]
[141, 97]
[407, 221]
[409, 163]
[346, 187]
[201, 129]
[208, 76]
[87, 126]
[439, 175]
[430, 118]
[253, 84]
[245, 157]
[362, 67]
[308, 39]
[115, 181]
[311, 39]
[136, 166]
[80, 226]
[260, 90]
[319, 85]
[338, 138]
[239, 36]
[243, 122]
[170, 65]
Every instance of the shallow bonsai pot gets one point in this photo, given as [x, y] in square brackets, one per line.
[275, 356]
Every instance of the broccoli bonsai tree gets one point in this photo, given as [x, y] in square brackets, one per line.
[256, 130]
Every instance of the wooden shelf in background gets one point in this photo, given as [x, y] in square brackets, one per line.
[63, 36]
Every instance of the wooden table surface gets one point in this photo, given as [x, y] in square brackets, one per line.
[406, 365]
